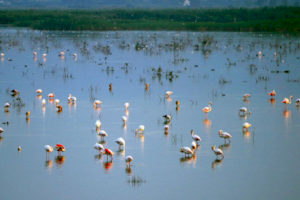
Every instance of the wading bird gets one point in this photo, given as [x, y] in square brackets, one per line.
[186, 150]
[217, 151]
[297, 102]
[225, 135]
[126, 105]
[246, 125]
[206, 110]
[43, 102]
[1, 130]
[287, 101]
[98, 124]
[140, 129]
[272, 94]
[244, 111]
[108, 152]
[124, 120]
[128, 160]
[39, 91]
[97, 103]
[48, 149]
[102, 134]
[245, 96]
[98, 147]
[167, 118]
[121, 142]
[195, 137]
[51, 95]
[168, 93]
[60, 148]
[193, 145]
[6, 106]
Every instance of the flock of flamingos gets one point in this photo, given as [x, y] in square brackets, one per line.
[140, 130]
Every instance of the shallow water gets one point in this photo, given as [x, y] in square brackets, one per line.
[262, 163]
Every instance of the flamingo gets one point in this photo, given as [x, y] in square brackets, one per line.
[2, 55]
[186, 150]
[39, 91]
[70, 97]
[43, 102]
[34, 53]
[225, 135]
[102, 134]
[6, 106]
[109, 152]
[166, 127]
[97, 102]
[51, 95]
[60, 148]
[272, 94]
[206, 110]
[244, 110]
[48, 149]
[98, 147]
[19, 148]
[75, 55]
[59, 108]
[287, 101]
[195, 137]
[167, 118]
[193, 145]
[124, 119]
[27, 113]
[56, 101]
[126, 105]
[246, 125]
[217, 151]
[98, 124]
[297, 102]
[168, 93]
[44, 55]
[177, 103]
[275, 55]
[245, 96]
[15, 92]
[110, 86]
[62, 53]
[128, 160]
[1, 130]
[121, 142]
[140, 129]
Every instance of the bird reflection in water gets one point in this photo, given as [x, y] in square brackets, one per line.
[108, 166]
[127, 113]
[98, 157]
[49, 164]
[216, 163]
[243, 116]
[141, 137]
[189, 160]
[51, 100]
[287, 114]
[207, 124]
[272, 101]
[39, 96]
[246, 101]
[121, 153]
[128, 171]
[1, 138]
[247, 135]
[59, 161]
[169, 99]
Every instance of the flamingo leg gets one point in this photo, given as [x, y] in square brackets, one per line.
[229, 140]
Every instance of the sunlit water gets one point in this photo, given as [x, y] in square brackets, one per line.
[262, 163]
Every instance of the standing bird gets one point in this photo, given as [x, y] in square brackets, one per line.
[287, 101]
[126, 105]
[124, 120]
[225, 135]
[39, 91]
[2, 55]
[246, 125]
[193, 145]
[70, 97]
[217, 151]
[97, 102]
[98, 147]
[19, 148]
[60, 148]
[110, 86]
[195, 137]
[186, 150]
[98, 124]
[272, 94]
[34, 53]
[297, 102]
[128, 160]
[109, 152]
[75, 55]
[206, 110]
[177, 103]
[245, 96]
[166, 127]
[168, 93]
[56, 101]
[147, 86]
[59, 108]
[167, 118]
[102, 134]
[51, 95]
[48, 149]
[15, 91]
[27, 113]
[6, 106]
[43, 102]
[244, 110]
[1, 130]
[121, 142]
[44, 55]
[140, 129]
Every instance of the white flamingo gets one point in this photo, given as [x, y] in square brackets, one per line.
[98, 147]
[217, 151]
[244, 111]
[168, 93]
[1, 130]
[245, 96]
[225, 135]
[195, 137]
[49, 149]
[39, 91]
[193, 145]
[121, 142]
[102, 134]
[128, 160]
[206, 110]
[246, 125]
[126, 105]
[140, 129]
[97, 103]
[186, 151]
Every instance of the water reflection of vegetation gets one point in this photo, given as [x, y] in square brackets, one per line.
[237, 19]
[136, 181]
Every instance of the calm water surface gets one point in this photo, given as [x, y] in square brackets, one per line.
[262, 163]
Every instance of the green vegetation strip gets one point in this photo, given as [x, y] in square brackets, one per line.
[234, 19]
